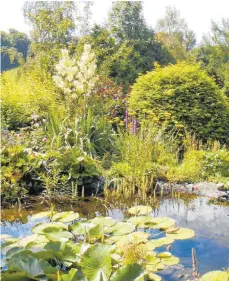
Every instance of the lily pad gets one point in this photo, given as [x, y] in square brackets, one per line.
[160, 242]
[140, 221]
[168, 259]
[65, 217]
[161, 223]
[129, 272]
[41, 215]
[96, 263]
[121, 228]
[182, 233]
[154, 277]
[105, 221]
[215, 276]
[39, 228]
[140, 210]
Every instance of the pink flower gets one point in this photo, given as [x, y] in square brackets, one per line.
[20, 135]
[45, 139]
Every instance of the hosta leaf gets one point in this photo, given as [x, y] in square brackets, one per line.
[129, 272]
[105, 221]
[96, 261]
[215, 276]
[121, 228]
[140, 210]
[65, 216]
[182, 233]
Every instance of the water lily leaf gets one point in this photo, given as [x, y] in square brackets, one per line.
[140, 210]
[32, 266]
[129, 272]
[120, 228]
[152, 259]
[154, 267]
[96, 262]
[13, 251]
[160, 242]
[172, 229]
[39, 228]
[41, 215]
[81, 228]
[140, 221]
[14, 276]
[31, 240]
[170, 260]
[135, 237]
[154, 277]
[62, 236]
[96, 232]
[164, 255]
[112, 239]
[4, 237]
[105, 221]
[161, 223]
[215, 276]
[65, 216]
[71, 276]
[182, 233]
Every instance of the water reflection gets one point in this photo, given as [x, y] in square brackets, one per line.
[210, 223]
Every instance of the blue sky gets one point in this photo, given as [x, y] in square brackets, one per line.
[197, 13]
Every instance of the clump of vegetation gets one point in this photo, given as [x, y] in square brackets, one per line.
[182, 96]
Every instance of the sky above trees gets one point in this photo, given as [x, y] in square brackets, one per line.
[198, 14]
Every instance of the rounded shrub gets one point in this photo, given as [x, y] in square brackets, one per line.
[182, 96]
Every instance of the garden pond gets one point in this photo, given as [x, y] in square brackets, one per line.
[209, 221]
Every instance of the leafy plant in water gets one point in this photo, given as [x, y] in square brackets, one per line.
[68, 248]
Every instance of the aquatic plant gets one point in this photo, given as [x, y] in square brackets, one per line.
[65, 247]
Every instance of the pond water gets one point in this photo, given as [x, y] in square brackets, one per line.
[210, 223]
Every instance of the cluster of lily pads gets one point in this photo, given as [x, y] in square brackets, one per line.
[67, 248]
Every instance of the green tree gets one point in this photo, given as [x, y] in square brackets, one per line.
[14, 48]
[173, 31]
[182, 96]
[214, 54]
[126, 21]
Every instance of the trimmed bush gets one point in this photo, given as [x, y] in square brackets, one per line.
[182, 96]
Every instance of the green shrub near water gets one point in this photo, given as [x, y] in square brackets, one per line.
[183, 96]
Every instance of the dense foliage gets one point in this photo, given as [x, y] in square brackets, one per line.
[182, 96]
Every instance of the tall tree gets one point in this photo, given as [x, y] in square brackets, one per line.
[214, 53]
[126, 21]
[173, 31]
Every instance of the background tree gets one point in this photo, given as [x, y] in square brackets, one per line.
[14, 48]
[214, 53]
[126, 21]
[173, 31]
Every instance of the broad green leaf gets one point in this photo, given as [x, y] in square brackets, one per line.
[140, 210]
[121, 228]
[215, 276]
[182, 233]
[81, 228]
[14, 276]
[140, 221]
[32, 266]
[152, 259]
[134, 237]
[105, 221]
[160, 242]
[96, 232]
[65, 216]
[96, 259]
[154, 277]
[161, 223]
[62, 236]
[129, 272]
[155, 267]
[71, 276]
[39, 228]
[41, 215]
